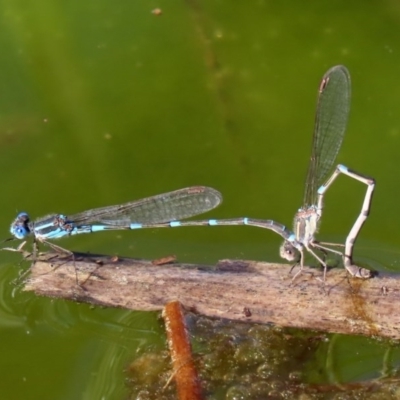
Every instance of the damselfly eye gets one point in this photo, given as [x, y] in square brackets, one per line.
[19, 232]
[23, 217]
[288, 251]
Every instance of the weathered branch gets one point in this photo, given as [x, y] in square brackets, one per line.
[239, 290]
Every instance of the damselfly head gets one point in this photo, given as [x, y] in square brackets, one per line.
[20, 226]
[289, 252]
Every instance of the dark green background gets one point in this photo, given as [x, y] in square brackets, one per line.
[104, 102]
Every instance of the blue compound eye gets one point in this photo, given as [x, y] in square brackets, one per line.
[19, 232]
[23, 217]
[20, 226]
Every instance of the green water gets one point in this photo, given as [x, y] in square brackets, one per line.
[105, 102]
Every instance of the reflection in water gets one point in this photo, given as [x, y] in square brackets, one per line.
[238, 360]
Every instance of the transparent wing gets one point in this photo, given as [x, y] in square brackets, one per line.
[179, 204]
[331, 118]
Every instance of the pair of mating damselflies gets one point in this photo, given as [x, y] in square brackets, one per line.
[166, 210]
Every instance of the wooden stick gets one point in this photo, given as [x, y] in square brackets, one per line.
[185, 373]
[240, 290]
